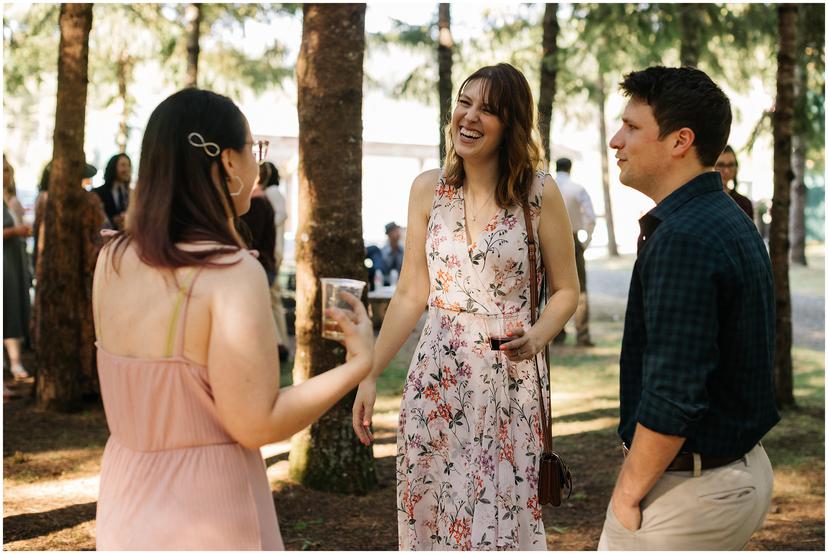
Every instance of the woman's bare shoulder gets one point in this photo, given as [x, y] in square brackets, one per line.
[236, 269]
[424, 186]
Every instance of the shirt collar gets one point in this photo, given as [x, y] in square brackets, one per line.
[709, 181]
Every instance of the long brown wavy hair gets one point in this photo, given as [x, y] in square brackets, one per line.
[176, 198]
[507, 92]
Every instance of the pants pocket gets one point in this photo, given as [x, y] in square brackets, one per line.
[613, 521]
[731, 496]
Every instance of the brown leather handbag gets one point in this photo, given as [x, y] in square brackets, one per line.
[553, 474]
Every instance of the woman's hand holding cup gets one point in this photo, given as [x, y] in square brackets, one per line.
[357, 330]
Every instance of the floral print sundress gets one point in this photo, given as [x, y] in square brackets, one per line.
[469, 435]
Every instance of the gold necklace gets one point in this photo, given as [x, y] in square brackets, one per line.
[477, 211]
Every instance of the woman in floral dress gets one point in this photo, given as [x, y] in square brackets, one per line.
[469, 430]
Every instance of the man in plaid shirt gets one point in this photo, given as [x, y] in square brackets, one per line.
[696, 359]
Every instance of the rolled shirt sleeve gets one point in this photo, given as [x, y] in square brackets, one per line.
[680, 315]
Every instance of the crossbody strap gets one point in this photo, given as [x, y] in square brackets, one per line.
[546, 424]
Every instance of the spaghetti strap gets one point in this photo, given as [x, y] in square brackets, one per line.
[102, 268]
[175, 333]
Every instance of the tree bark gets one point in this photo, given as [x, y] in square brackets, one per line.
[445, 49]
[548, 77]
[612, 246]
[691, 19]
[799, 192]
[192, 16]
[123, 69]
[65, 332]
[782, 178]
[329, 73]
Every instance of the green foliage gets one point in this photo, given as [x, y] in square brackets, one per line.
[809, 112]
[30, 45]
[420, 83]
[513, 35]
[223, 65]
[136, 34]
[120, 41]
[605, 40]
[229, 69]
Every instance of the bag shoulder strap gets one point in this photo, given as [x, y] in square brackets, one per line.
[546, 424]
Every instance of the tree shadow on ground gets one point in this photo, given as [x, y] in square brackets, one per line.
[29, 526]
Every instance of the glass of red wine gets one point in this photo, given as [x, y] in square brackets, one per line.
[500, 327]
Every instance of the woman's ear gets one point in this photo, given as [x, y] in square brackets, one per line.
[227, 161]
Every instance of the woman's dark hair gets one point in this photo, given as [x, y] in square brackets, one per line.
[176, 198]
[43, 186]
[111, 171]
[268, 175]
[508, 94]
[684, 97]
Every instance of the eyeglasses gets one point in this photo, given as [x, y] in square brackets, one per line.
[730, 165]
[260, 148]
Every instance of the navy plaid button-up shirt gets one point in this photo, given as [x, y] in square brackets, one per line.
[697, 353]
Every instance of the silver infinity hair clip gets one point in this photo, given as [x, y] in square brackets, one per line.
[210, 148]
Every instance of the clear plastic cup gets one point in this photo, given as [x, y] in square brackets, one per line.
[332, 298]
[499, 328]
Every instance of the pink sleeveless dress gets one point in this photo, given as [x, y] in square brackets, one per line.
[469, 437]
[172, 478]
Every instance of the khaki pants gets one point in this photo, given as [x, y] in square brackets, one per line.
[718, 510]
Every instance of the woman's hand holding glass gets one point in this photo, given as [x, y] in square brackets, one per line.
[357, 330]
[524, 346]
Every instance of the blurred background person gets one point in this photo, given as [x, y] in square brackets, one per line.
[392, 253]
[269, 183]
[89, 171]
[582, 218]
[375, 266]
[16, 276]
[728, 167]
[114, 192]
[10, 192]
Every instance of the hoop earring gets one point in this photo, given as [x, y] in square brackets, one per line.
[241, 186]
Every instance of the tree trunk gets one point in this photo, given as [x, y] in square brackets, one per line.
[329, 73]
[445, 48]
[192, 17]
[548, 76]
[782, 178]
[123, 70]
[65, 344]
[691, 19]
[612, 246]
[799, 193]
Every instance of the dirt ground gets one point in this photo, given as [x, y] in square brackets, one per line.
[51, 464]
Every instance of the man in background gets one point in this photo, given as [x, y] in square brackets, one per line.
[392, 253]
[582, 217]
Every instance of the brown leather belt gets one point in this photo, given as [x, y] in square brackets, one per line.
[684, 461]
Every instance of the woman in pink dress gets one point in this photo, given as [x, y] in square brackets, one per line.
[187, 352]
[469, 439]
